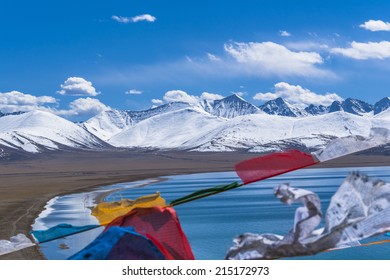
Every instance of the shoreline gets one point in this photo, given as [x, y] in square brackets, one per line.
[25, 194]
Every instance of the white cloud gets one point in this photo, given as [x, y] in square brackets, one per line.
[179, 96]
[363, 51]
[210, 96]
[16, 101]
[265, 96]
[157, 101]
[213, 57]
[84, 107]
[237, 61]
[134, 92]
[182, 96]
[145, 17]
[77, 86]
[298, 95]
[307, 46]
[376, 25]
[19, 98]
[121, 19]
[284, 33]
[271, 58]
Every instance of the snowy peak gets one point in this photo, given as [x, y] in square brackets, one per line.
[38, 131]
[231, 107]
[280, 107]
[138, 116]
[316, 109]
[234, 99]
[336, 106]
[180, 129]
[109, 123]
[381, 105]
[357, 107]
[351, 105]
[207, 105]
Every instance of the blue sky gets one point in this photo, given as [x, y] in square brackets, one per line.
[76, 58]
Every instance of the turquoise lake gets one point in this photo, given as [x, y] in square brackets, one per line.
[211, 223]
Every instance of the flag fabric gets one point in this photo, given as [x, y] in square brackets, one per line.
[120, 243]
[106, 212]
[59, 231]
[359, 209]
[354, 143]
[16, 243]
[162, 226]
[270, 165]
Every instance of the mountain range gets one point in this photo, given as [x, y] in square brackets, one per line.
[228, 124]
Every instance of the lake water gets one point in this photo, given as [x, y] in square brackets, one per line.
[211, 223]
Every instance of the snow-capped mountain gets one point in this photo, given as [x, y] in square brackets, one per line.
[281, 107]
[351, 105]
[138, 116]
[316, 109]
[193, 129]
[202, 129]
[180, 129]
[38, 131]
[109, 123]
[229, 124]
[381, 105]
[230, 107]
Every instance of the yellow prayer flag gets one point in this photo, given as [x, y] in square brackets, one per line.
[106, 212]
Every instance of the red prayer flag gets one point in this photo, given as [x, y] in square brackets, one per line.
[260, 168]
[161, 225]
